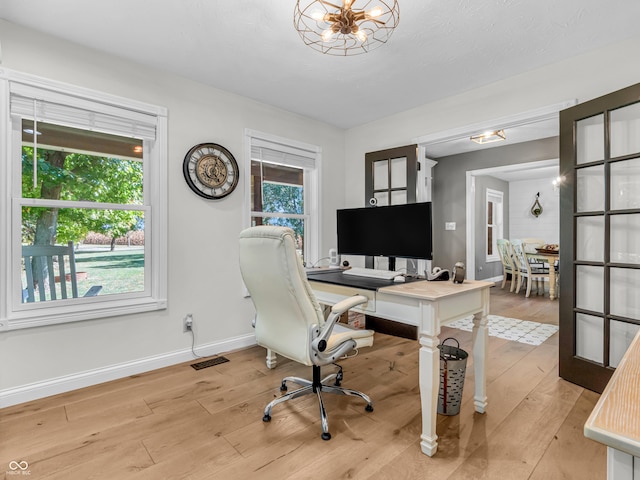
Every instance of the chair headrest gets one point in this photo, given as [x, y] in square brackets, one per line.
[267, 231]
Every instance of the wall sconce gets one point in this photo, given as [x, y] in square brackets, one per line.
[557, 182]
[536, 208]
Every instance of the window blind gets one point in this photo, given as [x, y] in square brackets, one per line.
[288, 155]
[61, 109]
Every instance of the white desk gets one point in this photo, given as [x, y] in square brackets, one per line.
[615, 420]
[428, 306]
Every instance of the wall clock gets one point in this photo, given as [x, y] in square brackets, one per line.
[210, 170]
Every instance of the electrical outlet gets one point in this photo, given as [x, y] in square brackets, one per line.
[188, 323]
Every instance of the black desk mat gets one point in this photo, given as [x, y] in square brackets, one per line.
[367, 283]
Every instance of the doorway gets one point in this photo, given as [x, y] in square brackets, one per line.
[445, 182]
[534, 176]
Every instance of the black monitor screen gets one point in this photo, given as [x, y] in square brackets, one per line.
[393, 231]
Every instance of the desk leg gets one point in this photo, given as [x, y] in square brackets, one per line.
[620, 465]
[272, 359]
[429, 369]
[480, 355]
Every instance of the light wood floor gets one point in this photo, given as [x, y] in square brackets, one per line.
[179, 423]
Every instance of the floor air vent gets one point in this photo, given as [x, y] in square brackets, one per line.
[209, 363]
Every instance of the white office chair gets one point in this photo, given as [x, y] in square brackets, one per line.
[289, 320]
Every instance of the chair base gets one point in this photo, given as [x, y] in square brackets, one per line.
[316, 386]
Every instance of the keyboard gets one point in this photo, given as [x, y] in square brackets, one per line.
[371, 273]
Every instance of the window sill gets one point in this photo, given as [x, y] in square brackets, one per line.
[56, 315]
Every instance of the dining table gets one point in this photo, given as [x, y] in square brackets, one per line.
[550, 257]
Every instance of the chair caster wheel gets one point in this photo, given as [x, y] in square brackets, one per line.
[283, 387]
[266, 418]
[326, 436]
[369, 408]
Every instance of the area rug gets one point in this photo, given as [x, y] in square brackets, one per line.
[523, 331]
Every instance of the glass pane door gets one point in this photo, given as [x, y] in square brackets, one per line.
[600, 234]
[390, 179]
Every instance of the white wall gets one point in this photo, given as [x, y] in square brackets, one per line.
[522, 224]
[204, 277]
[202, 261]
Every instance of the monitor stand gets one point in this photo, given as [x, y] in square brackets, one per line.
[392, 264]
[370, 263]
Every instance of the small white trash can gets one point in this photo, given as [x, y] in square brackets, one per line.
[453, 366]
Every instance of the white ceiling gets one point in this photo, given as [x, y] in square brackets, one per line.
[250, 47]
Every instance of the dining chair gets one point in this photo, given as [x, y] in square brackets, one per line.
[508, 265]
[530, 245]
[526, 271]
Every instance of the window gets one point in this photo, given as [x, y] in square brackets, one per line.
[494, 229]
[83, 170]
[282, 188]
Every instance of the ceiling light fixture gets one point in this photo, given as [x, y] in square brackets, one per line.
[488, 137]
[345, 29]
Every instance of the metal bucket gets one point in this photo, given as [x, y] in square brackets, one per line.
[453, 365]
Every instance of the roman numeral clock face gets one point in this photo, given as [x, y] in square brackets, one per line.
[210, 170]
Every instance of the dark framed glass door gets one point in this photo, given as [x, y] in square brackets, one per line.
[599, 235]
[390, 178]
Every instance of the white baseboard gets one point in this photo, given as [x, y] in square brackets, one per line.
[54, 386]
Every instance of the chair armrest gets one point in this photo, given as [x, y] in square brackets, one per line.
[348, 303]
[319, 344]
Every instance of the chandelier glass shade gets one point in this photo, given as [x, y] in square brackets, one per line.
[345, 27]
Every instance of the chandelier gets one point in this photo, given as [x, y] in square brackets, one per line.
[354, 27]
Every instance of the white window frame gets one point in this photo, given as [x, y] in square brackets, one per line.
[17, 315]
[295, 154]
[497, 199]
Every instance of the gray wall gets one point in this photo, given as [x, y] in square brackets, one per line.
[491, 269]
[449, 191]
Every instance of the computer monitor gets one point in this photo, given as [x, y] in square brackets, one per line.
[402, 231]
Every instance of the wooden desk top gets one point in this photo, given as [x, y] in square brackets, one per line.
[434, 290]
[615, 420]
